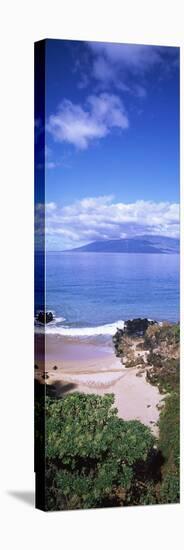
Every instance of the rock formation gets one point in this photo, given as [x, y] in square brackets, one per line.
[44, 317]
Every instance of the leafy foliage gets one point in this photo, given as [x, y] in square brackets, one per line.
[91, 453]
[170, 488]
[162, 334]
[163, 342]
[164, 373]
[169, 443]
[94, 458]
[169, 438]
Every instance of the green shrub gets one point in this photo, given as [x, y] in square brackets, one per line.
[169, 444]
[91, 453]
[170, 488]
[169, 429]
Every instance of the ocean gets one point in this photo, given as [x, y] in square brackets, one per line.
[94, 293]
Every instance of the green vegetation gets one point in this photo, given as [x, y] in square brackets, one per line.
[170, 446]
[165, 373]
[162, 335]
[94, 458]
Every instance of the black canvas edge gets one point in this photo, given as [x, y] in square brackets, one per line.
[39, 265]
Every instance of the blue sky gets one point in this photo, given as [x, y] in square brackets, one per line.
[112, 150]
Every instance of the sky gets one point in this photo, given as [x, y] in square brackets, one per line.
[112, 142]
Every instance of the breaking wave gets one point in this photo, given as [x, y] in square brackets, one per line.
[109, 329]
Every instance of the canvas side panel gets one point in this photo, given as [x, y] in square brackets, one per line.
[39, 288]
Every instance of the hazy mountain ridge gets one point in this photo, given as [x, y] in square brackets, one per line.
[146, 244]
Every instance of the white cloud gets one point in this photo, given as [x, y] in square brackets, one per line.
[80, 125]
[134, 57]
[97, 218]
[126, 66]
[102, 69]
[123, 65]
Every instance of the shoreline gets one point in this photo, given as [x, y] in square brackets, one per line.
[91, 366]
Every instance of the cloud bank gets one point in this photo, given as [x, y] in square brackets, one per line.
[134, 57]
[79, 125]
[97, 218]
[126, 65]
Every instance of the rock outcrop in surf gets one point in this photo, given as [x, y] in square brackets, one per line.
[152, 347]
[44, 317]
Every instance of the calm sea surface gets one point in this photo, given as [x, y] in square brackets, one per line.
[87, 290]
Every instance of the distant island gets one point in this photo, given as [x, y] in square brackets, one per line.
[145, 244]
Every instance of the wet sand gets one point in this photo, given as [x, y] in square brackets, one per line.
[91, 367]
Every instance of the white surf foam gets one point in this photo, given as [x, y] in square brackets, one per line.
[58, 320]
[51, 323]
[109, 329]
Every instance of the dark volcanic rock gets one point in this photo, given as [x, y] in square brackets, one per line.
[129, 342]
[152, 348]
[137, 327]
[44, 317]
[117, 340]
[133, 327]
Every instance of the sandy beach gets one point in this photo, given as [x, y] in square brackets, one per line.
[89, 366]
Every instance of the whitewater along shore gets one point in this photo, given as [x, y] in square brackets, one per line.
[121, 367]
